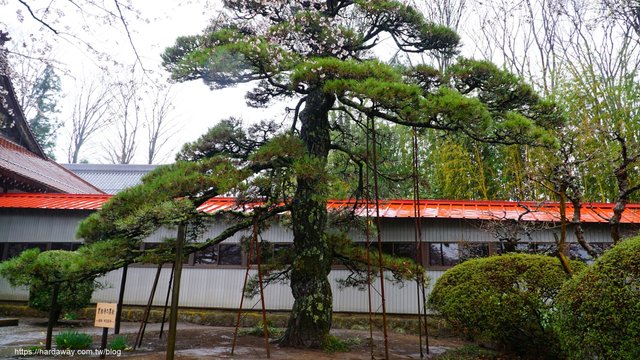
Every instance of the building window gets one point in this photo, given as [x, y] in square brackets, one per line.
[69, 246]
[165, 245]
[15, 249]
[473, 250]
[451, 254]
[399, 249]
[219, 254]
[208, 256]
[230, 254]
[268, 250]
[530, 248]
[577, 252]
[443, 254]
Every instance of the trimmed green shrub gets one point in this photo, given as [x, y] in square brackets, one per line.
[40, 270]
[72, 296]
[598, 311]
[506, 300]
[73, 340]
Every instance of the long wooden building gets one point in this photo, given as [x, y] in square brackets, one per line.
[41, 204]
[452, 231]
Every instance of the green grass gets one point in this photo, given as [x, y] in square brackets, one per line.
[470, 352]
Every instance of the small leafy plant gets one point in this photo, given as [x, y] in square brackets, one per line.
[70, 316]
[258, 330]
[333, 344]
[35, 348]
[470, 352]
[119, 343]
[73, 340]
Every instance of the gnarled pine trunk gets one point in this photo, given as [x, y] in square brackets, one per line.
[310, 319]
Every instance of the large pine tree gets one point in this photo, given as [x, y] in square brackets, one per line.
[320, 53]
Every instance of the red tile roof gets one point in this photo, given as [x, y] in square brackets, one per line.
[440, 209]
[53, 201]
[19, 165]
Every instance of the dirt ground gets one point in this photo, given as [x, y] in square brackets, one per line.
[198, 342]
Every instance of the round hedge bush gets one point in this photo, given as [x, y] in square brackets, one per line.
[72, 296]
[506, 300]
[598, 311]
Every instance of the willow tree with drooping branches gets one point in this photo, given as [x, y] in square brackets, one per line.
[320, 54]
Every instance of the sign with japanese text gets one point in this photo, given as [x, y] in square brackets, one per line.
[106, 315]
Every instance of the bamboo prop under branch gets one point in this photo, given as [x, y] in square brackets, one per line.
[420, 290]
[147, 310]
[260, 284]
[123, 284]
[244, 287]
[254, 247]
[368, 248]
[175, 292]
[379, 238]
[166, 301]
[52, 315]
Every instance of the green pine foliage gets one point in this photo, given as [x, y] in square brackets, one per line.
[598, 311]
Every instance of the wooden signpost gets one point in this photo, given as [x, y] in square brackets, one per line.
[106, 319]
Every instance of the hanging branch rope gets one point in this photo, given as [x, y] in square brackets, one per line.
[254, 247]
[380, 263]
[418, 246]
[367, 197]
[244, 287]
[261, 285]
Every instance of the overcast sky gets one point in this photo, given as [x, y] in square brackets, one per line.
[196, 107]
[160, 21]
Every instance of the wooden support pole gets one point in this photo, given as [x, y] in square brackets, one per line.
[367, 197]
[422, 308]
[377, 218]
[166, 300]
[147, 311]
[264, 310]
[175, 293]
[103, 345]
[123, 282]
[244, 288]
[52, 314]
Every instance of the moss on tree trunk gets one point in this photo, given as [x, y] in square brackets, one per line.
[311, 315]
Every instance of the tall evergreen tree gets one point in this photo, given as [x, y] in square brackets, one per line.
[45, 93]
[319, 53]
